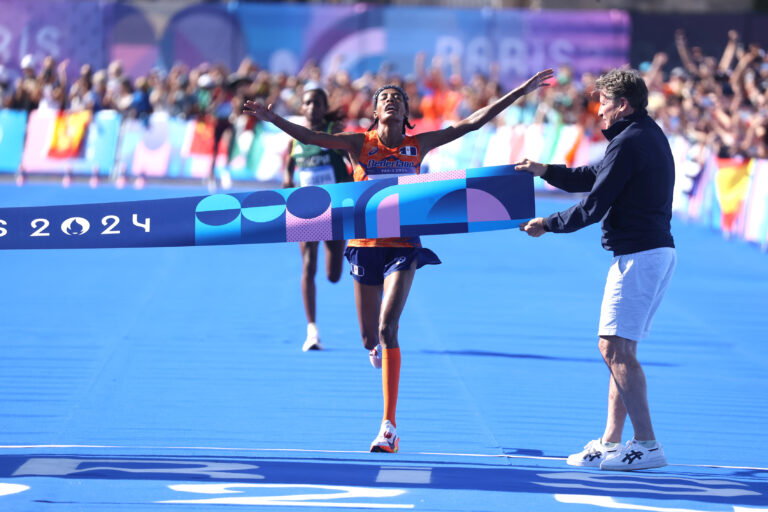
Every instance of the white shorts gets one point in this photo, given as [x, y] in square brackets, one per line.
[633, 291]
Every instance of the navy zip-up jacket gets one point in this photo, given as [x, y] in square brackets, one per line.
[630, 188]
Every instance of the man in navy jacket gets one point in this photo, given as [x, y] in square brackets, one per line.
[630, 190]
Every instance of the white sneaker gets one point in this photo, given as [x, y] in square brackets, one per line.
[387, 440]
[635, 456]
[593, 454]
[375, 356]
[313, 339]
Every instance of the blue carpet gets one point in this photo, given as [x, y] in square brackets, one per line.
[139, 378]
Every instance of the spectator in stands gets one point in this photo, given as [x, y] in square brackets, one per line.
[81, 94]
[159, 95]
[26, 89]
[115, 81]
[140, 106]
[53, 84]
[720, 105]
[100, 99]
[123, 99]
[181, 96]
[215, 104]
[411, 88]
[443, 96]
[27, 66]
[5, 87]
[714, 101]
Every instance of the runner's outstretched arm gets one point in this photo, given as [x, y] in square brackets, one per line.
[351, 142]
[431, 140]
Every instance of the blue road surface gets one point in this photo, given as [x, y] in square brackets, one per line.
[172, 379]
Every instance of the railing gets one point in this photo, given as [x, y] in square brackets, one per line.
[725, 194]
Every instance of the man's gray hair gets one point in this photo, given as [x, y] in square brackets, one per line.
[624, 83]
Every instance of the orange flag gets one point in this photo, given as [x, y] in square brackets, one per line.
[202, 139]
[731, 186]
[68, 134]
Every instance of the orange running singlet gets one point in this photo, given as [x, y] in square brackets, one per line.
[377, 161]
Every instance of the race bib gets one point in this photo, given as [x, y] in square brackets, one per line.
[317, 176]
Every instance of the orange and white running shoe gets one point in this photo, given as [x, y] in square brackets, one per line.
[387, 441]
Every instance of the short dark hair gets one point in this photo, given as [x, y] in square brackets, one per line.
[624, 83]
[320, 92]
[332, 116]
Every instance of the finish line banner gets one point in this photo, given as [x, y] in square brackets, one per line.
[480, 199]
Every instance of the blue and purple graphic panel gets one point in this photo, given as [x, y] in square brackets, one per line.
[365, 37]
[64, 30]
[283, 37]
[481, 199]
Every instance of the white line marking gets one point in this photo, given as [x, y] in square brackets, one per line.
[300, 450]
[608, 502]
[311, 496]
[6, 489]
[62, 466]
[722, 493]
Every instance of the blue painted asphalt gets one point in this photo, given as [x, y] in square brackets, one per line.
[172, 378]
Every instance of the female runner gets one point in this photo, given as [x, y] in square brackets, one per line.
[315, 165]
[383, 269]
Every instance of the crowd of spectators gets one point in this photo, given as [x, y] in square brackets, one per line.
[718, 102]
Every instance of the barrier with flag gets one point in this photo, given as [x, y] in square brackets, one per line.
[730, 195]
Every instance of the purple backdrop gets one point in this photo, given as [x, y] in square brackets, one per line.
[281, 37]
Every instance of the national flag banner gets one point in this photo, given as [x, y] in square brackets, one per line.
[200, 138]
[565, 148]
[731, 185]
[463, 201]
[97, 148]
[579, 154]
[68, 134]
[197, 150]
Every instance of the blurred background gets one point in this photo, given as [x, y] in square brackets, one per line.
[133, 92]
